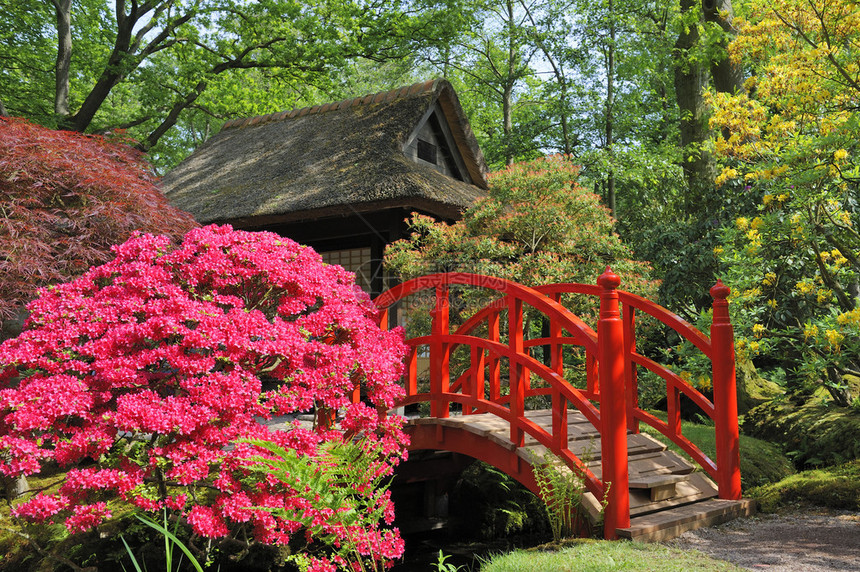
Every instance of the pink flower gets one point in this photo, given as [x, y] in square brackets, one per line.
[142, 375]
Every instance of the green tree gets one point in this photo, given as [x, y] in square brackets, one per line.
[490, 66]
[790, 141]
[88, 65]
[537, 225]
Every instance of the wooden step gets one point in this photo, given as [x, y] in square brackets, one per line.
[695, 487]
[660, 486]
[671, 523]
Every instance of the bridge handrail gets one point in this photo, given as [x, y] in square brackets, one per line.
[672, 427]
[611, 362]
[574, 325]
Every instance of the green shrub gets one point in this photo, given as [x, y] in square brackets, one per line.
[812, 435]
[490, 504]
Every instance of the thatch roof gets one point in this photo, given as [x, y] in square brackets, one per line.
[324, 160]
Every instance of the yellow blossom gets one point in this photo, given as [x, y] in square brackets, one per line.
[823, 295]
[718, 250]
[772, 303]
[756, 223]
[742, 223]
[810, 331]
[834, 338]
[728, 173]
[769, 279]
[840, 154]
[758, 330]
[752, 292]
[804, 287]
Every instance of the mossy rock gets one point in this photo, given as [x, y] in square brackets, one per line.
[833, 487]
[753, 389]
[813, 435]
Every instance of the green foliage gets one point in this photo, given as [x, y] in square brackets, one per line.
[812, 434]
[791, 139]
[182, 68]
[835, 487]
[561, 490]
[347, 482]
[170, 542]
[443, 566]
[490, 504]
[537, 225]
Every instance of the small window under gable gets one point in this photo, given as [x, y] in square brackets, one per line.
[426, 151]
[432, 144]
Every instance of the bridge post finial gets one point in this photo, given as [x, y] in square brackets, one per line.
[725, 395]
[613, 407]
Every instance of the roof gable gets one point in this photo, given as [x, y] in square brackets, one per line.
[352, 155]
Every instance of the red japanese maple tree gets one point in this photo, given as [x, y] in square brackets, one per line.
[66, 198]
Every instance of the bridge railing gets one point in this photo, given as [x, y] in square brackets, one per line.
[611, 366]
[719, 349]
[482, 387]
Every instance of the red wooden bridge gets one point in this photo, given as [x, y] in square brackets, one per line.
[594, 430]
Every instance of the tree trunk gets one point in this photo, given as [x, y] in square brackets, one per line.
[507, 123]
[690, 81]
[727, 75]
[691, 77]
[64, 56]
[113, 72]
[610, 111]
[3, 112]
[507, 96]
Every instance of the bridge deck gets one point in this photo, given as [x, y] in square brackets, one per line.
[667, 495]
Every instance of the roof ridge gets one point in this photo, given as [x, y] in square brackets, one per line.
[381, 97]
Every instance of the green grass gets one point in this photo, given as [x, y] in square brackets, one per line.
[834, 487]
[761, 462]
[602, 555]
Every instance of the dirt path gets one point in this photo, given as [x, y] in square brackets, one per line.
[816, 540]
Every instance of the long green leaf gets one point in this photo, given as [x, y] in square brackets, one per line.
[171, 536]
[130, 554]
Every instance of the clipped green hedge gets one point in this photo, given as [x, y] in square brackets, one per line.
[812, 435]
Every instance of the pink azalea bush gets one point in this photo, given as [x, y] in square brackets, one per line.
[145, 378]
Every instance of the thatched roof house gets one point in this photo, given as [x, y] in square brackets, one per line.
[340, 176]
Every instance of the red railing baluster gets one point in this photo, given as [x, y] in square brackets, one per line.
[556, 351]
[494, 363]
[559, 402]
[516, 371]
[673, 408]
[440, 374]
[725, 396]
[412, 373]
[475, 378]
[592, 376]
[631, 384]
[613, 433]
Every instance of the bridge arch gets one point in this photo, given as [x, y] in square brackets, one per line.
[608, 402]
